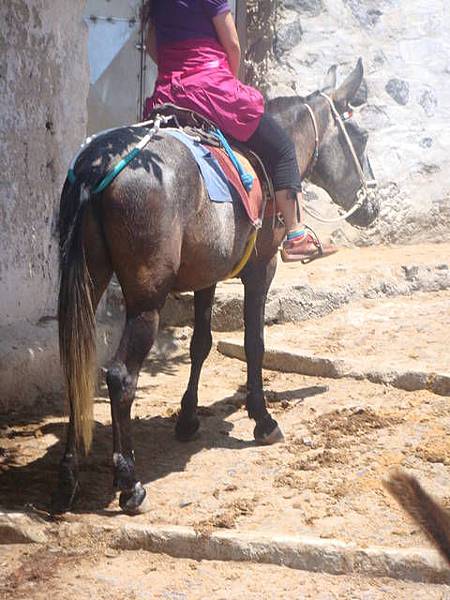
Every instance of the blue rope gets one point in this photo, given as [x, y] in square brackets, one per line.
[112, 174]
[71, 176]
[116, 170]
[246, 178]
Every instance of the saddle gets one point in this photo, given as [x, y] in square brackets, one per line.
[260, 200]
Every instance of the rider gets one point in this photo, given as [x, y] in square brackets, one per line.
[196, 47]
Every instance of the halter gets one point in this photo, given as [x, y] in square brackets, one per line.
[367, 187]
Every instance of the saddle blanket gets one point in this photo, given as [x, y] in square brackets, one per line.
[220, 177]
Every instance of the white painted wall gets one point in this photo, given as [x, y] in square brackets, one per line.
[43, 86]
[43, 91]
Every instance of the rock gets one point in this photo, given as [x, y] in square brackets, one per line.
[367, 17]
[428, 169]
[411, 272]
[309, 7]
[375, 117]
[398, 89]
[428, 102]
[19, 528]
[426, 142]
[288, 36]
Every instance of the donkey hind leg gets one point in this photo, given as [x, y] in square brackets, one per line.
[257, 279]
[188, 422]
[122, 376]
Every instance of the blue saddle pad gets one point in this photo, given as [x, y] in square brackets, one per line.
[216, 183]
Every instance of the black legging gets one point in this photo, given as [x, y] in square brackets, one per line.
[277, 152]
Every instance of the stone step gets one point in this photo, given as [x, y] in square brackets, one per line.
[301, 292]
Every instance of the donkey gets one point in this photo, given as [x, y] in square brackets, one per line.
[156, 229]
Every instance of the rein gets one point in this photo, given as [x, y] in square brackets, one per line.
[367, 187]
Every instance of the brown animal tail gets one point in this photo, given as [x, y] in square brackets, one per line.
[431, 517]
[76, 314]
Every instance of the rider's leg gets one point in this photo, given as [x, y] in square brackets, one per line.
[278, 152]
[289, 203]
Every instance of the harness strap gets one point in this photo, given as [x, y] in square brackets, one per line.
[246, 256]
[366, 185]
[123, 162]
[116, 170]
[315, 156]
[340, 122]
[120, 166]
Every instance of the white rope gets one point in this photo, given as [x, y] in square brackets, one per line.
[346, 136]
[316, 215]
[316, 136]
[364, 190]
[162, 119]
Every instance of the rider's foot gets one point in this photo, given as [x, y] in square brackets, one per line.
[303, 245]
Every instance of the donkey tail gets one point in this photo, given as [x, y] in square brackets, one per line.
[432, 518]
[76, 313]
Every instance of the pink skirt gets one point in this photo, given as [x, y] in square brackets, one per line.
[195, 74]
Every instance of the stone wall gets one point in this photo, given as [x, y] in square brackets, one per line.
[405, 45]
[261, 21]
[43, 91]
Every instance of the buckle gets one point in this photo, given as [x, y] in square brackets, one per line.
[345, 116]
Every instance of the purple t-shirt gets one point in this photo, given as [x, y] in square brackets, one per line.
[180, 20]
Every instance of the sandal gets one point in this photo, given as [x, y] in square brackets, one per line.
[304, 245]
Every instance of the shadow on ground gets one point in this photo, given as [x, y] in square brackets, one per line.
[158, 453]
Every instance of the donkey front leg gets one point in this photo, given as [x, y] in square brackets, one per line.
[122, 377]
[187, 422]
[257, 280]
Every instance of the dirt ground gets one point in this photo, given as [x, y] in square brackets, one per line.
[97, 573]
[342, 437]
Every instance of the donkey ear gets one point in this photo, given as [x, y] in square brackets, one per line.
[330, 80]
[347, 90]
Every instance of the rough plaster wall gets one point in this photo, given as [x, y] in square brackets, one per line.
[43, 91]
[405, 45]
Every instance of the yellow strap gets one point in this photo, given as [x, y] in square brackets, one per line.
[244, 260]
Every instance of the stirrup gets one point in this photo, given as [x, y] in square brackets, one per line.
[288, 253]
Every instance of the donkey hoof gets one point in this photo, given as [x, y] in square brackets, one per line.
[135, 502]
[185, 429]
[63, 498]
[268, 432]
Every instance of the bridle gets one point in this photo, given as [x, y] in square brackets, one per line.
[367, 187]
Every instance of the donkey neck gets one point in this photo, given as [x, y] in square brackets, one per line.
[295, 119]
